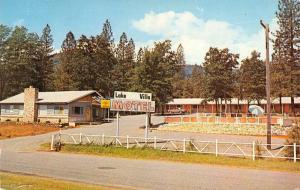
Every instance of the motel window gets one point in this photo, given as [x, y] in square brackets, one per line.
[77, 110]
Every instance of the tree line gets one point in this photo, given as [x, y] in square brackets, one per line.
[99, 63]
[222, 77]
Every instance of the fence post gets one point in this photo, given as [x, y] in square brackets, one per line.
[295, 153]
[181, 119]
[155, 142]
[80, 138]
[52, 142]
[216, 147]
[184, 145]
[127, 142]
[253, 150]
[102, 140]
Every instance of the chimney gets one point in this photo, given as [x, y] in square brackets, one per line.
[30, 106]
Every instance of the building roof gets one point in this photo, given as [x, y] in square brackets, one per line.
[183, 101]
[51, 97]
[198, 101]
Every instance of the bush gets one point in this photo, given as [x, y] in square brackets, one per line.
[293, 137]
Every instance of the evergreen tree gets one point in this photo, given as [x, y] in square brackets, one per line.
[105, 59]
[197, 82]
[179, 89]
[131, 63]
[123, 70]
[107, 33]
[4, 72]
[120, 68]
[63, 78]
[22, 57]
[45, 74]
[286, 48]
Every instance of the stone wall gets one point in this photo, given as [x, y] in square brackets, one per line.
[225, 129]
[30, 106]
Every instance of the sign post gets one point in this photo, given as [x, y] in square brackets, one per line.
[118, 124]
[133, 102]
[106, 105]
[108, 114]
[146, 128]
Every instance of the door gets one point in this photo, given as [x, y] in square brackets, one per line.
[87, 114]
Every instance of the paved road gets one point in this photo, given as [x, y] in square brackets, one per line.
[18, 156]
[129, 125]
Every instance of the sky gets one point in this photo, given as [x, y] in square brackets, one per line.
[196, 24]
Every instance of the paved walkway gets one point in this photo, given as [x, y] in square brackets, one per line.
[17, 155]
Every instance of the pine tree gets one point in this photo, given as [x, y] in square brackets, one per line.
[63, 78]
[197, 82]
[120, 68]
[286, 48]
[123, 70]
[105, 60]
[22, 59]
[107, 33]
[46, 72]
[179, 81]
[131, 63]
[4, 77]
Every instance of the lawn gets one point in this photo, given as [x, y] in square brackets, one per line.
[11, 130]
[152, 154]
[10, 181]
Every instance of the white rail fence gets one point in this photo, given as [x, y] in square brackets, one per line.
[251, 150]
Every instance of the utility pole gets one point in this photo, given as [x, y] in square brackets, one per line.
[269, 133]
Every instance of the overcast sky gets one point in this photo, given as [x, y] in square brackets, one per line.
[197, 24]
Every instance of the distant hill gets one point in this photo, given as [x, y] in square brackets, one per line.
[188, 69]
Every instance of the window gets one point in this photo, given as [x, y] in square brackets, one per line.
[50, 110]
[58, 110]
[77, 110]
[11, 109]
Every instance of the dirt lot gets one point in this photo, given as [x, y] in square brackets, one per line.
[10, 130]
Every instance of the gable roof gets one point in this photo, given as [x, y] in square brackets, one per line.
[51, 97]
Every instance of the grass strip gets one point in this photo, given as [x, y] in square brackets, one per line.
[153, 154]
[9, 181]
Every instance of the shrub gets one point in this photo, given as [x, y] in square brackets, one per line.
[293, 137]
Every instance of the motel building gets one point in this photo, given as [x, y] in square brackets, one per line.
[53, 107]
[234, 106]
